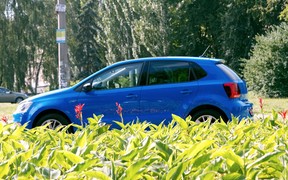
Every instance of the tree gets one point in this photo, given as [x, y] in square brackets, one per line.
[241, 22]
[132, 29]
[87, 56]
[26, 38]
[266, 70]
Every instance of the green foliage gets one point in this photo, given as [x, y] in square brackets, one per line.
[266, 70]
[103, 32]
[182, 150]
[86, 58]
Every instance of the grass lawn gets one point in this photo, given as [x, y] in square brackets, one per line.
[7, 109]
[278, 104]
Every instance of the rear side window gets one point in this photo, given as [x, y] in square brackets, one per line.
[164, 72]
[229, 72]
[198, 71]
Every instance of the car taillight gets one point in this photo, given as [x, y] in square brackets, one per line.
[232, 90]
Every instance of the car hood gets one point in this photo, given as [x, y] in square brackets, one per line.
[49, 94]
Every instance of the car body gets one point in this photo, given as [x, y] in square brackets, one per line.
[7, 96]
[148, 89]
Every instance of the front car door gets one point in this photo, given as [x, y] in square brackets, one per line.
[170, 89]
[120, 85]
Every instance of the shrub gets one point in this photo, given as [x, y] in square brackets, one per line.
[266, 70]
[183, 149]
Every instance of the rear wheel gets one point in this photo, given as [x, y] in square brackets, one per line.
[54, 121]
[204, 115]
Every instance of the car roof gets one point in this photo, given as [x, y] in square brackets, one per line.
[177, 58]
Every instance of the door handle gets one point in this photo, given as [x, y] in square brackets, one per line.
[186, 91]
[132, 96]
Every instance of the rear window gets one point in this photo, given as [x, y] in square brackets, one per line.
[229, 72]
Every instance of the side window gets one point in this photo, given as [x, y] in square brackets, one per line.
[199, 71]
[163, 72]
[119, 77]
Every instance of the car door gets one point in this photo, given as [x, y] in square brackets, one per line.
[115, 85]
[6, 95]
[170, 89]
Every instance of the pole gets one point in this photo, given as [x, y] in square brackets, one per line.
[63, 64]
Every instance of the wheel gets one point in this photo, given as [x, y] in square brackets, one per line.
[55, 121]
[19, 99]
[204, 115]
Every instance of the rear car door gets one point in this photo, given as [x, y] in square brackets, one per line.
[115, 85]
[6, 95]
[169, 89]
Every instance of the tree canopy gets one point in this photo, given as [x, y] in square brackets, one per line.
[106, 31]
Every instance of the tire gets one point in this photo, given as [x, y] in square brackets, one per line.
[56, 120]
[18, 100]
[204, 115]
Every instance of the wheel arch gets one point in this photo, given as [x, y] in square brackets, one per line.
[50, 111]
[205, 107]
[18, 97]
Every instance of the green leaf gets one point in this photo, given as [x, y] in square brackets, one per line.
[164, 149]
[133, 170]
[177, 172]
[28, 169]
[50, 173]
[264, 158]
[96, 174]
[4, 169]
[7, 148]
[234, 176]
[82, 166]
[71, 156]
[130, 155]
[39, 159]
[81, 140]
[120, 124]
[229, 154]
[195, 149]
[201, 160]
[221, 126]
[180, 121]
[145, 146]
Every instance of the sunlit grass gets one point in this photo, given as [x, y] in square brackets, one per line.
[269, 104]
[7, 109]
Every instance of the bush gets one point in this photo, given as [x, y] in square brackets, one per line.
[181, 150]
[266, 70]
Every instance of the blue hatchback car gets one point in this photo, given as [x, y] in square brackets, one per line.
[148, 89]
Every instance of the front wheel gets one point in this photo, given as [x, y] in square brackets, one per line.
[205, 115]
[54, 121]
[18, 100]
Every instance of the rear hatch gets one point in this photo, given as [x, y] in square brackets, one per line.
[237, 87]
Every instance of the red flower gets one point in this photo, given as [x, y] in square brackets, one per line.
[283, 114]
[78, 110]
[119, 109]
[261, 103]
[4, 119]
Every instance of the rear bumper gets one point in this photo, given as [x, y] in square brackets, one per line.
[242, 110]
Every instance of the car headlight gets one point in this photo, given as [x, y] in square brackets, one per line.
[23, 106]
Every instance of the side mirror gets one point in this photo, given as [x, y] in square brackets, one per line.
[87, 87]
